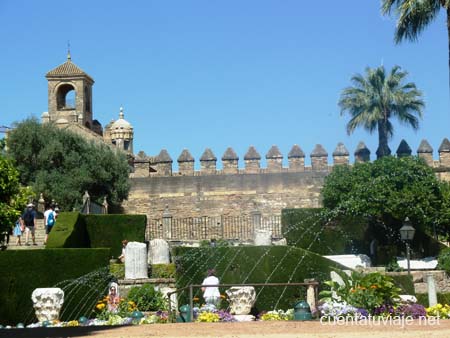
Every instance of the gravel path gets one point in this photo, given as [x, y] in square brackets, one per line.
[280, 330]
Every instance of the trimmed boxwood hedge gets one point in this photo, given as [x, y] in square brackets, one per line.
[108, 231]
[261, 264]
[75, 230]
[404, 282]
[304, 228]
[69, 231]
[22, 271]
[442, 298]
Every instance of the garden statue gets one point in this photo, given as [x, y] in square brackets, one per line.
[113, 297]
[47, 303]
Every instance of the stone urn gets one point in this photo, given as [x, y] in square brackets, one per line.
[47, 303]
[241, 299]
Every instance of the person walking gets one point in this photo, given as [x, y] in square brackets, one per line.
[211, 293]
[49, 220]
[18, 230]
[29, 219]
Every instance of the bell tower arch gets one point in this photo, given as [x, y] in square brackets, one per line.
[70, 94]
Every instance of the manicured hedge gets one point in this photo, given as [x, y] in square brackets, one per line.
[238, 265]
[442, 298]
[22, 271]
[305, 228]
[69, 231]
[404, 282]
[74, 230]
[108, 231]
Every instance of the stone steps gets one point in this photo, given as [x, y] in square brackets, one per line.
[39, 235]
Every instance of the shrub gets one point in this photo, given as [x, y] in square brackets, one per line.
[238, 265]
[442, 298]
[147, 298]
[444, 260]
[405, 283]
[108, 231]
[308, 229]
[366, 291]
[163, 270]
[69, 231]
[48, 268]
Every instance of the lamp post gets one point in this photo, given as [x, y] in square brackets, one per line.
[407, 232]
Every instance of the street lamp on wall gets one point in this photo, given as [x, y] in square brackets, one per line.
[407, 232]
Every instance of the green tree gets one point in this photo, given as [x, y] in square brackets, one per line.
[387, 191]
[414, 16]
[375, 99]
[62, 165]
[13, 197]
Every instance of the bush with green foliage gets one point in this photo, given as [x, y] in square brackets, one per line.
[147, 298]
[13, 197]
[108, 231]
[404, 282]
[364, 291]
[442, 298]
[163, 270]
[387, 191]
[74, 230]
[63, 165]
[239, 265]
[444, 260]
[69, 231]
[47, 268]
[309, 229]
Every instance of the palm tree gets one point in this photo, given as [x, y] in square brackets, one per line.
[414, 16]
[374, 99]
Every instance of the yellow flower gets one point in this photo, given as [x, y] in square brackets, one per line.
[100, 306]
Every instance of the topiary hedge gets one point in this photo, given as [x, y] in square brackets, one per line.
[108, 231]
[307, 229]
[69, 231]
[404, 282]
[22, 271]
[442, 298]
[75, 230]
[238, 265]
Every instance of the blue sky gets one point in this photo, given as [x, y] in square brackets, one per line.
[196, 74]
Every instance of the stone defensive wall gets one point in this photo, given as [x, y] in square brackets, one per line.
[235, 191]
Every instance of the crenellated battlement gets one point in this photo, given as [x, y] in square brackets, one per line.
[161, 165]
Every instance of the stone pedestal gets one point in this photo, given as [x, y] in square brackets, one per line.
[173, 297]
[262, 237]
[241, 299]
[47, 303]
[432, 295]
[158, 252]
[136, 261]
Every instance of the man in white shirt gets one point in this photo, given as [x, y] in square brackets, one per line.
[211, 294]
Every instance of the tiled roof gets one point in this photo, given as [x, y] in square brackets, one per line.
[68, 68]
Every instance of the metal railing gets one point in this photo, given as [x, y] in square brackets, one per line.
[217, 227]
[314, 284]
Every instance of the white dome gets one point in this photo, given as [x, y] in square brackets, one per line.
[121, 123]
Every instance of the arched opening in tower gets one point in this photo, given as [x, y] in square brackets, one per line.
[66, 97]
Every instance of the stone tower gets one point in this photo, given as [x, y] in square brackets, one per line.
[69, 95]
[121, 133]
